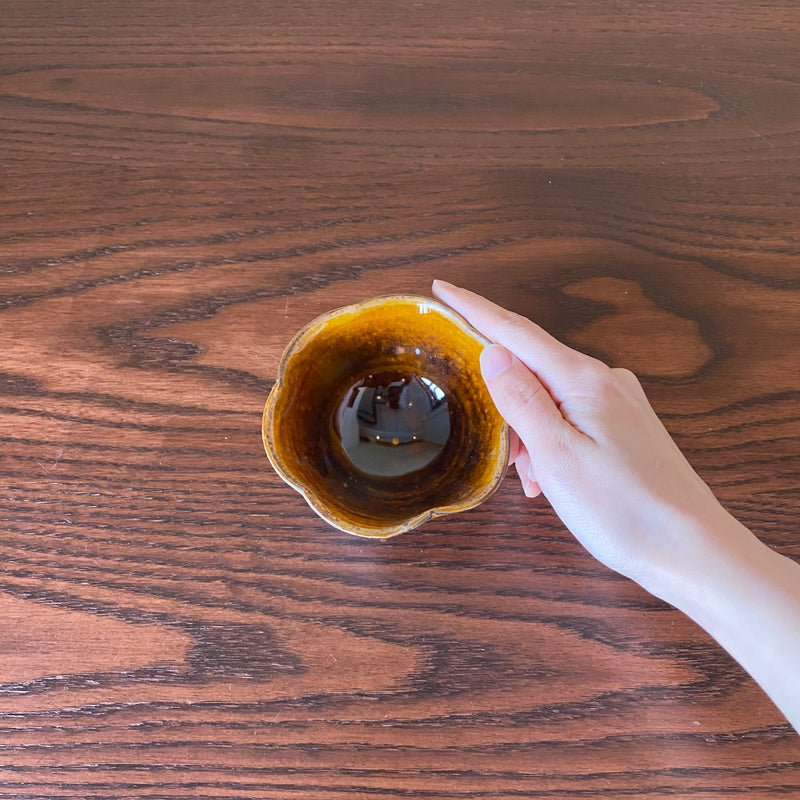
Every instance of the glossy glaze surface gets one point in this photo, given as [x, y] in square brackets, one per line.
[380, 418]
[393, 423]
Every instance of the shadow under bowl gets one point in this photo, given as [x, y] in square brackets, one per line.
[380, 417]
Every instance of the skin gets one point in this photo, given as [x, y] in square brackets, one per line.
[587, 438]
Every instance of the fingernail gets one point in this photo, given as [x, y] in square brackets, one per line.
[494, 361]
[437, 284]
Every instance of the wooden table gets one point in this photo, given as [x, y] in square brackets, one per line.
[183, 186]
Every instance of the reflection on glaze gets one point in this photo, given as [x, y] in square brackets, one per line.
[392, 423]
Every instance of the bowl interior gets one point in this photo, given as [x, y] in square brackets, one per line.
[380, 416]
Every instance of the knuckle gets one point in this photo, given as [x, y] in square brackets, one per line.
[519, 396]
[626, 377]
[608, 391]
[630, 384]
[514, 324]
[596, 385]
[624, 373]
[599, 369]
[593, 375]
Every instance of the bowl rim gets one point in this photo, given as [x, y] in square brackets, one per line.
[307, 332]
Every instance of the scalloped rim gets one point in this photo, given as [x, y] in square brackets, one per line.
[317, 505]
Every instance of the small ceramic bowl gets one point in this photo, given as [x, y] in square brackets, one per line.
[380, 418]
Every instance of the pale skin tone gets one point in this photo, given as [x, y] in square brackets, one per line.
[586, 437]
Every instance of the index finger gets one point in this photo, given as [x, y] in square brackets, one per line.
[556, 364]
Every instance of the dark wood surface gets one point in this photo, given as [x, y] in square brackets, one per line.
[186, 184]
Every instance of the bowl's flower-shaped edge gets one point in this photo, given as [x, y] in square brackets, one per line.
[316, 503]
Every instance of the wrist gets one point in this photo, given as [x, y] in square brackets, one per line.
[746, 596]
[717, 553]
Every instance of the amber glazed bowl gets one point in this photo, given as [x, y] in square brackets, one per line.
[380, 418]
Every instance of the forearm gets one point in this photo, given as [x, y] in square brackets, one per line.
[747, 597]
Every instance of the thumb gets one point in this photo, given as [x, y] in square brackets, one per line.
[524, 403]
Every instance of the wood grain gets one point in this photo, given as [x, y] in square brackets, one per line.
[183, 186]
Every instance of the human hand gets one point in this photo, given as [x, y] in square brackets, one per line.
[586, 436]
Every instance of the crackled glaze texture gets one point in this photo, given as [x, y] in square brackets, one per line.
[380, 417]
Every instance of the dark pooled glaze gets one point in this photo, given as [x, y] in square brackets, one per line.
[433, 442]
[392, 424]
